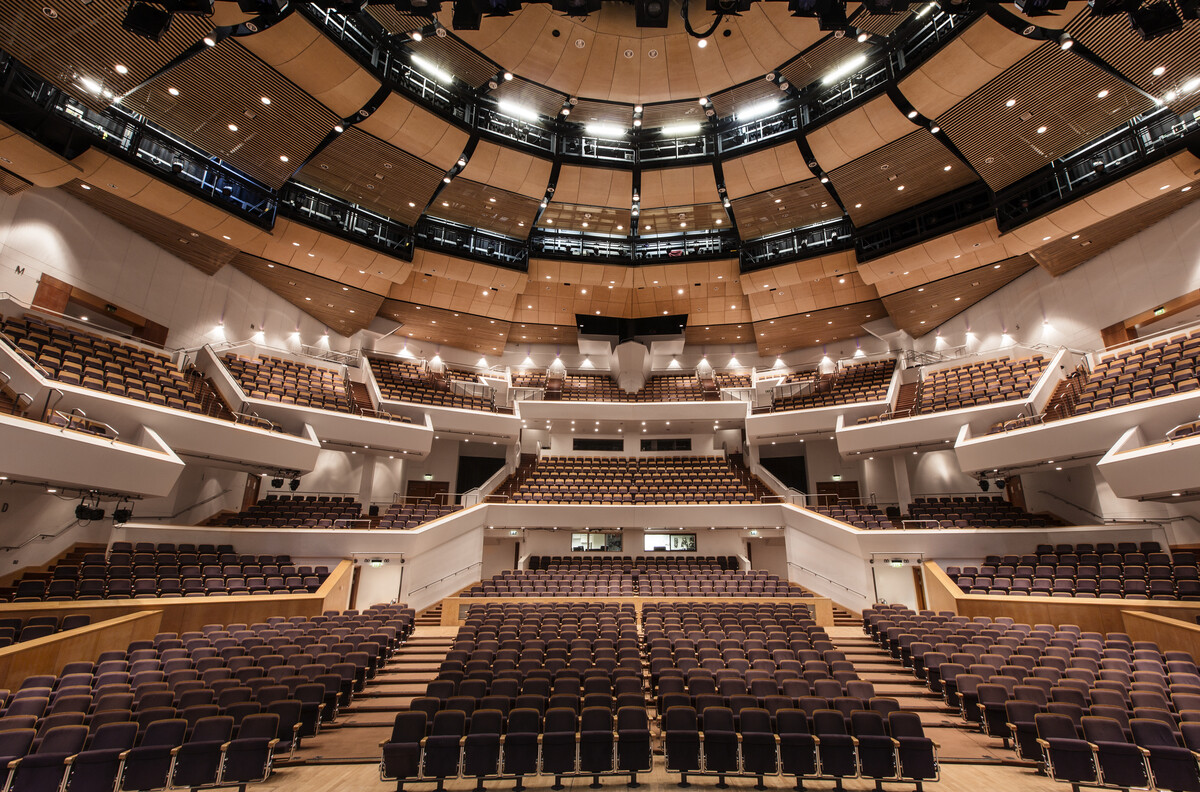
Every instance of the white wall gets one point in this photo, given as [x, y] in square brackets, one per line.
[27, 511]
[937, 472]
[200, 493]
[48, 231]
[442, 462]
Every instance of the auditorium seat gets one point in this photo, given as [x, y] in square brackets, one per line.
[861, 382]
[633, 480]
[288, 382]
[399, 380]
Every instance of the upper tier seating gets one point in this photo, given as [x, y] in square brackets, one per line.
[410, 515]
[973, 384]
[958, 511]
[633, 480]
[288, 382]
[597, 576]
[15, 629]
[1142, 372]
[1104, 571]
[863, 382]
[166, 570]
[201, 709]
[295, 511]
[671, 388]
[593, 387]
[726, 380]
[101, 363]
[528, 379]
[1071, 700]
[401, 381]
[602, 388]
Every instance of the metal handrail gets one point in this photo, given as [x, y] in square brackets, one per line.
[1171, 432]
[82, 326]
[445, 577]
[920, 523]
[842, 586]
[254, 419]
[43, 537]
[78, 417]
[352, 523]
[25, 356]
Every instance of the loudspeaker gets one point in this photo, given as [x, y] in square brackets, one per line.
[1155, 20]
[147, 21]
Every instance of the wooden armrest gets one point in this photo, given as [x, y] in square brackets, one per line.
[175, 751]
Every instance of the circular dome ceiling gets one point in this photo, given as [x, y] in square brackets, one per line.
[606, 56]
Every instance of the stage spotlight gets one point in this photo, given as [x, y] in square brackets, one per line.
[1001, 484]
[277, 483]
[497, 8]
[1155, 21]
[465, 16]
[652, 13]
[730, 7]
[830, 14]
[147, 21]
[984, 485]
[123, 513]
[294, 485]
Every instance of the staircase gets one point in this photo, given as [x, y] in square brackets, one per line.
[430, 617]
[907, 399]
[212, 403]
[749, 480]
[73, 557]
[360, 397]
[1066, 395]
[524, 468]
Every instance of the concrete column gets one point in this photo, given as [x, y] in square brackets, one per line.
[903, 488]
[366, 481]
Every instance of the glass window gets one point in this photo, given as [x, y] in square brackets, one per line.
[596, 542]
[667, 542]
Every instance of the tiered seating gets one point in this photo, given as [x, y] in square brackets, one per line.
[864, 382]
[296, 511]
[409, 515]
[1075, 702]
[101, 364]
[671, 388]
[633, 480]
[593, 387]
[645, 577]
[1141, 373]
[401, 381]
[860, 515]
[759, 690]
[201, 709]
[975, 511]
[1106, 571]
[16, 629]
[166, 570]
[549, 679]
[288, 382]
[529, 379]
[725, 380]
[973, 384]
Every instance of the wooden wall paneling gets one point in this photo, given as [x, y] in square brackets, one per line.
[454, 608]
[456, 295]
[226, 117]
[982, 239]
[737, 99]
[486, 207]
[52, 294]
[784, 208]
[655, 116]
[964, 64]
[814, 328]
[764, 170]
[32, 161]
[416, 130]
[897, 176]
[680, 219]
[553, 303]
[314, 62]
[690, 184]
[1056, 109]
[340, 308]
[817, 61]
[1170, 634]
[610, 187]
[48, 655]
[85, 41]
[858, 132]
[920, 310]
[592, 219]
[535, 96]
[438, 326]
[603, 112]
[454, 268]
[365, 170]
[811, 294]
[509, 170]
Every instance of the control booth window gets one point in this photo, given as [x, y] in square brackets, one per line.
[668, 542]
[596, 542]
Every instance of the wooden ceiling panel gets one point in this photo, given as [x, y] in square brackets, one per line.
[205, 253]
[483, 206]
[342, 309]
[455, 295]
[897, 176]
[811, 294]
[85, 41]
[921, 310]
[534, 96]
[417, 131]
[964, 64]
[814, 63]
[34, 162]
[556, 304]
[655, 116]
[450, 54]
[454, 268]
[814, 328]
[506, 169]
[764, 170]
[681, 219]
[363, 169]
[1056, 109]
[784, 208]
[596, 186]
[437, 326]
[226, 117]
[603, 113]
[591, 219]
[397, 22]
[692, 184]
[312, 61]
[858, 132]
[605, 275]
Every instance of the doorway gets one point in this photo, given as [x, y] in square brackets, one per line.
[429, 490]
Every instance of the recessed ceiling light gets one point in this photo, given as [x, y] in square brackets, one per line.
[1045, 239]
[121, 68]
[225, 235]
[1159, 71]
[209, 41]
[1010, 103]
[86, 186]
[1041, 130]
[173, 91]
[411, 205]
[702, 43]
[947, 168]
[265, 100]
[1103, 93]
[445, 203]
[233, 127]
[858, 206]
[1185, 189]
[308, 299]
[337, 128]
[900, 188]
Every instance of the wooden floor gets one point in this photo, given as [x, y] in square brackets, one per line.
[345, 755]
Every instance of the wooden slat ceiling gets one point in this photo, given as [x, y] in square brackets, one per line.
[538, 98]
[679, 219]
[738, 98]
[603, 113]
[70, 41]
[1066, 253]
[452, 55]
[1053, 91]
[882, 24]
[342, 309]
[815, 328]
[870, 186]
[592, 219]
[920, 310]
[858, 132]
[482, 206]
[765, 170]
[1111, 39]
[396, 22]
[815, 63]
[363, 169]
[202, 251]
[655, 116]
[504, 169]
[800, 204]
[11, 183]
[453, 328]
[291, 126]
[416, 130]
[601, 186]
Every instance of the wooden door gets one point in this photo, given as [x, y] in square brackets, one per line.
[842, 489]
[427, 489]
[250, 497]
